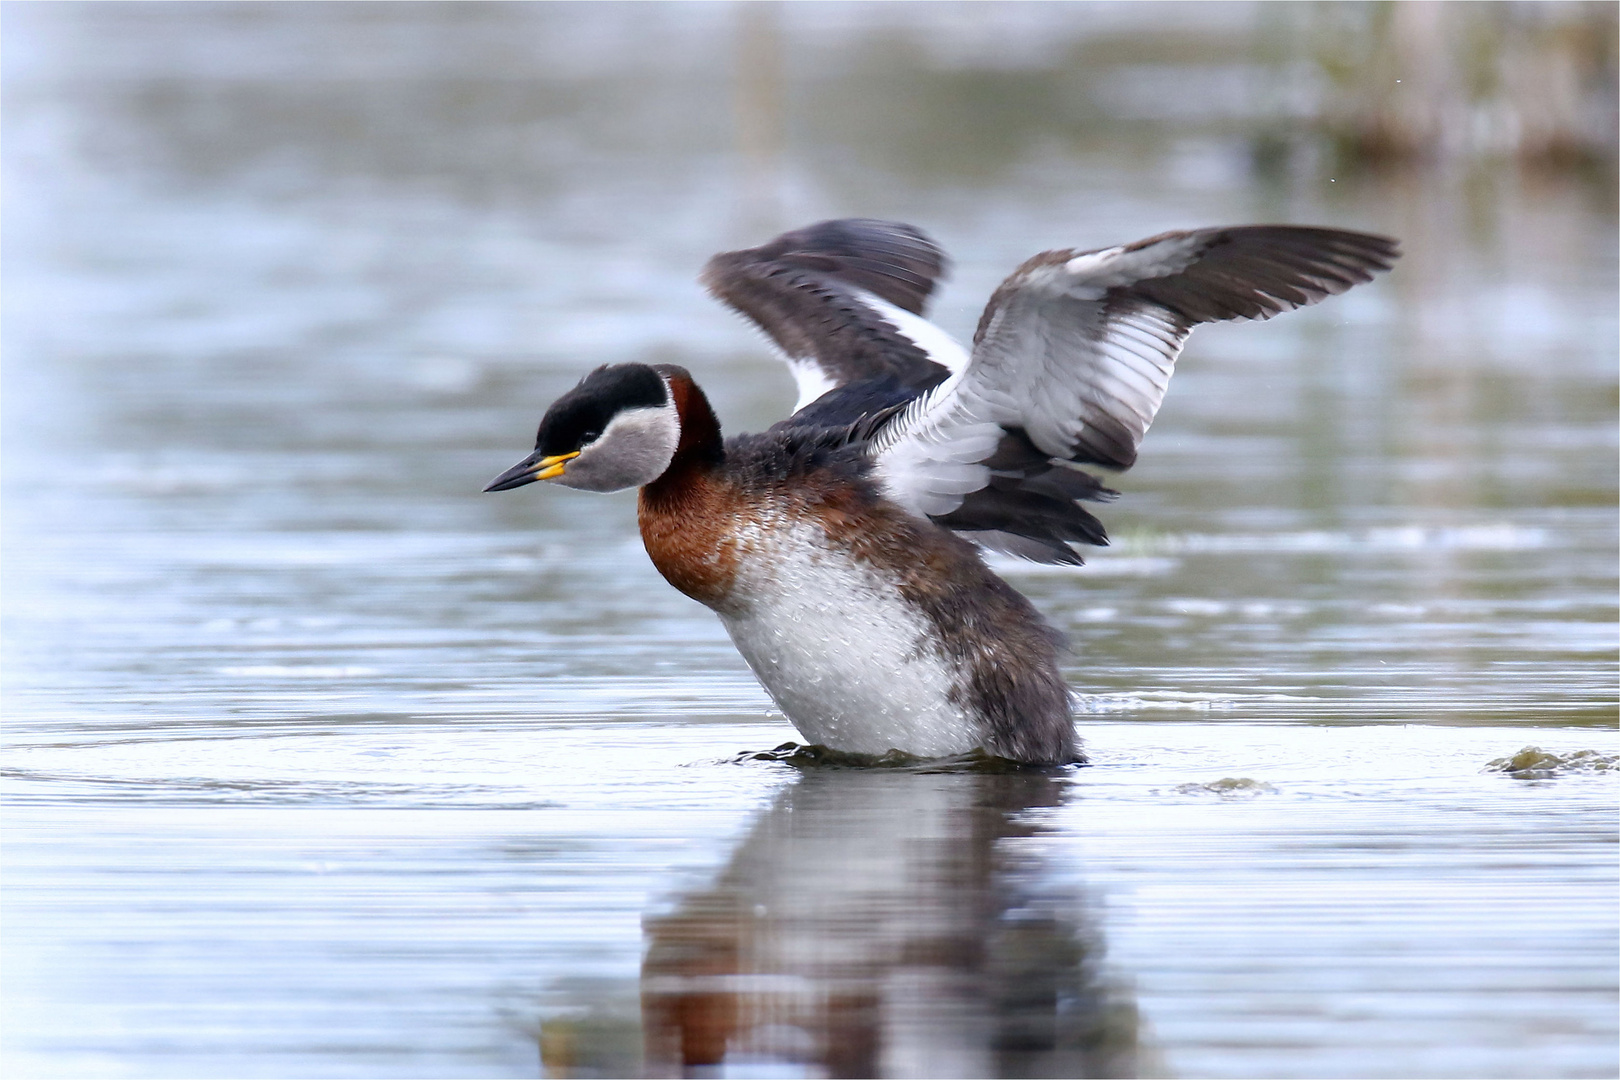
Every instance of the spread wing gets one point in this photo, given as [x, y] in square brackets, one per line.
[1070, 363]
[843, 302]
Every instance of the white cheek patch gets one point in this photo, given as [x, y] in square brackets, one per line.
[634, 449]
[640, 425]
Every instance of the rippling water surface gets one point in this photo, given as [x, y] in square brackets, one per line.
[321, 763]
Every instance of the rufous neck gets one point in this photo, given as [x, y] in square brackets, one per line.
[701, 448]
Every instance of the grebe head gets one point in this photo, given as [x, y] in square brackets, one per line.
[617, 429]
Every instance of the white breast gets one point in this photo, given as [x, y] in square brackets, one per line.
[850, 663]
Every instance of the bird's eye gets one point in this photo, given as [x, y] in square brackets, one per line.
[590, 436]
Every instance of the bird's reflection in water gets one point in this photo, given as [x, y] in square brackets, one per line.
[876, 923]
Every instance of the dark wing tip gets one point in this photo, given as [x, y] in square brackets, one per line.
[895, 261]
[809, 291]
[1257, 271]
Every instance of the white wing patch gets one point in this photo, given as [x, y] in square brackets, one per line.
[1053, 362]
[1065, 382]
[808, 375]
[930, 457]
[941, 348]
[813, 381]
[1115, 266]
[1076, 348]
[1071, 362]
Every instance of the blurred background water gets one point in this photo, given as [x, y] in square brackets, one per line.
[321, 763]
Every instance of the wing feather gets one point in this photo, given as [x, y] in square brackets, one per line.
[843, 301]
[1074, 352]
